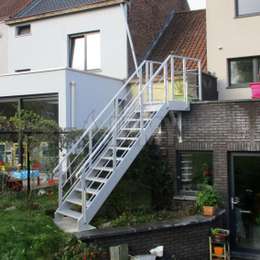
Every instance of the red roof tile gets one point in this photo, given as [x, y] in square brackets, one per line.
[11, 7]
[185, 36]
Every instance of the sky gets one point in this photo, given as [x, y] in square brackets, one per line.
[197, 4]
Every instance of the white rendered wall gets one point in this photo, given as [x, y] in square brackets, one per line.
[37, 83]
[47, 46]
[3, 48]
[91, 94]
[229, 37]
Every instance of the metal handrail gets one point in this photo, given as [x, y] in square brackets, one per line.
[126, 112]
[98, 117]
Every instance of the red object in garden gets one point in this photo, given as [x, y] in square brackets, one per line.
[51, 182]
[255, 87]
[36, 166]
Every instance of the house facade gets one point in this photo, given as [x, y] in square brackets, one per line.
[7, 9]
[66, 60]
[232, 46]
[220, 141]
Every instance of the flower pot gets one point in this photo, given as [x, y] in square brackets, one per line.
[51, 181]
[218, 250]
[208, 211]
[255, 87]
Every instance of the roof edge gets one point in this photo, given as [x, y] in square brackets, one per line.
[13, 21]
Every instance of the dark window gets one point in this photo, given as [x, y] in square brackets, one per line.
[243, 70]
[247, 7]
[23, 30]
[194, 168]
[85, 51]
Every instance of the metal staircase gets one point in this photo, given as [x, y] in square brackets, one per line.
[98, 160]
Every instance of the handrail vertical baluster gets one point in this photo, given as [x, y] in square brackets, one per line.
[166, 85]
[200, 80]
[140, 93]
[185, 85]
[115, 133]
[61, 176]
[172, 77]
[151, 83]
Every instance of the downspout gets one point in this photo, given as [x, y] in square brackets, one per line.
[129, 36]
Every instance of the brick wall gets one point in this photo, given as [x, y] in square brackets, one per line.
[187, 240]
[146, 19]
[221, 127]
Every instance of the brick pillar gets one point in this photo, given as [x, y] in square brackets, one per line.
[220, 164]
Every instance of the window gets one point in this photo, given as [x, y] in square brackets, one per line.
[247, 7]
[243, 70]
[85, 51]
[194, 168]
[23, 30]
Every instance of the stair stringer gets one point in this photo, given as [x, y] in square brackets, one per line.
[123, 167]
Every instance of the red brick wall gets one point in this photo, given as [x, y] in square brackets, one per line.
[146, 19]
[220, 127]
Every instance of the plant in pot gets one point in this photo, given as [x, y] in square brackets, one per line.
[207, 200]
[219, 235]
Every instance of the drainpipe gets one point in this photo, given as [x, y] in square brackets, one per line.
[73, 103]
[124, 11]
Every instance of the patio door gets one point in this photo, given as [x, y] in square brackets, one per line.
[245, 202]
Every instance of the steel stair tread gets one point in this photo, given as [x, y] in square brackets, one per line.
[88, 190]
[101, 168]
[76, 201]
[95, 179]
[111, 158]
[131, 129]
[70, 213]
[138, 119]
[121, 148]
[126, 138]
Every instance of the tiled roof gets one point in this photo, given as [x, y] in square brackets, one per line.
[185, 36]
[38, 7]
[11, 7]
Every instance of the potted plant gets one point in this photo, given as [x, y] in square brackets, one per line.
[255, 87]
[219, 235]
[207, 200]
[218, 250]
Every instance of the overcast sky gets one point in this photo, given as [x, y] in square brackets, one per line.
[197, 4]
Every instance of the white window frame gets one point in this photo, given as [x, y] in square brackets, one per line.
[18, 27]
[85, 36]
[237, 13]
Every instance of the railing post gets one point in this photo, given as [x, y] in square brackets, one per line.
[200, 80]
[166, 85]
[151, 83]
[141, 99]
[115, 132]
[147, 76]
[83, 195]
[90, 147]
[172, 76]
[61, 176]
[185, 84]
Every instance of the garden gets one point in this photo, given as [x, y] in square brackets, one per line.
[27, 231]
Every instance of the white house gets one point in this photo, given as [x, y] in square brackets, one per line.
[73, 56]
[233, 45]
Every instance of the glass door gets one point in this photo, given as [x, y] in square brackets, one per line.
[245, 202]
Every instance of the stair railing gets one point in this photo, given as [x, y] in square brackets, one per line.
[143, 87]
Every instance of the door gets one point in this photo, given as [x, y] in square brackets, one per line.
[245, 202]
